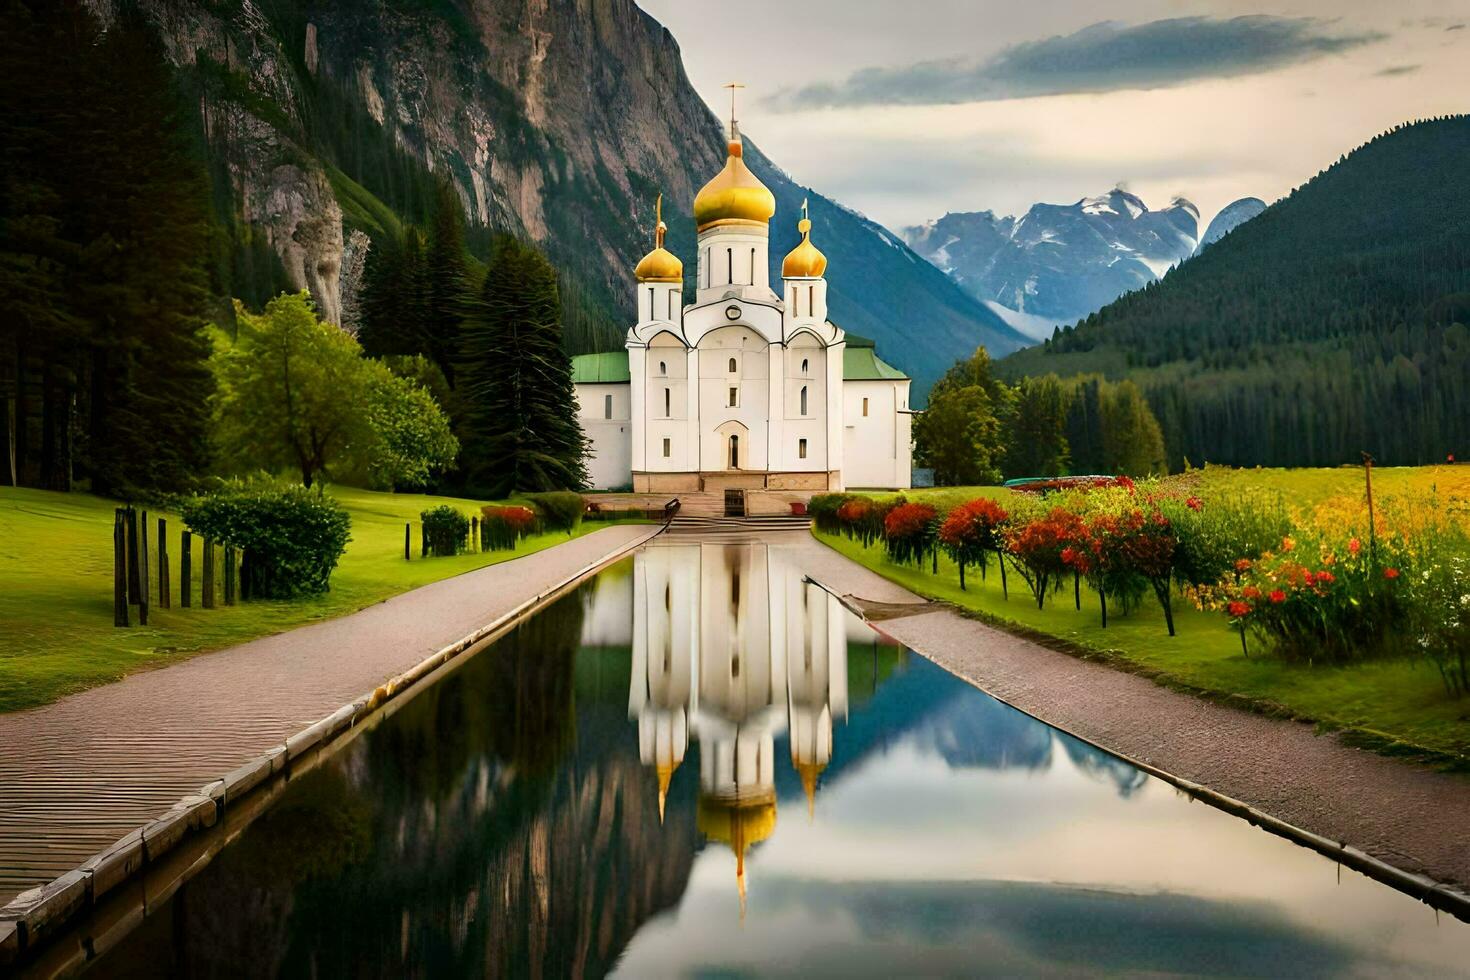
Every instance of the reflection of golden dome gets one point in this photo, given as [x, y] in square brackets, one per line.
[660, 265]
[735, 195]
[809, 772]
[739, 823]
[804, 261]
[665, 774]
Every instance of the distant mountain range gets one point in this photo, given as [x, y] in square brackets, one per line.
[1058, 263]
[1335, 322]
[1231, 216]
[328, 123]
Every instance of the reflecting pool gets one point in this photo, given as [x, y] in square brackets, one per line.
[701, 764]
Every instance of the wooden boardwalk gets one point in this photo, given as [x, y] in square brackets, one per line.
[78, 774]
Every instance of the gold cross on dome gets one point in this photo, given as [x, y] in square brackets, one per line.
[733, 87]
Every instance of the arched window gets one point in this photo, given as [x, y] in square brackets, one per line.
[651, 314]
[734, 452]
[733, 366]
[663, 367]
[669, 305]
[805, 365]
[669, 403]
[803, 399]
[752, 266]
[730, 266]
[801, 448]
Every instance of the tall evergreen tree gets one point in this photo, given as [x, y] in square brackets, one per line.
[519, 429]
[447, 281]
[104, 255]
[1037, 441]
[1132, 442]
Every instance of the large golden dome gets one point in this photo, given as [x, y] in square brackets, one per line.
[660, 265]
[805, 261]
[734, 196]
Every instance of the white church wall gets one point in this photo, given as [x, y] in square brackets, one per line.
[878, 452]
[805, 363]
[605, 412]
[746, 348]
[734, 256]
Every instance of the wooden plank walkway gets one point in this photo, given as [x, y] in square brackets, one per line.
[78, 774]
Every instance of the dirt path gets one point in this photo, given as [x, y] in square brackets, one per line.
[1408, 816]
[78, 774]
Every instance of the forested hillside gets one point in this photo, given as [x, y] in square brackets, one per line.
[1336, 322]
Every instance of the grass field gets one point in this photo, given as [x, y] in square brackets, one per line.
[1391, 705]
[56, 632]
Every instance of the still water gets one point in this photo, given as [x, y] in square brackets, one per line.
[702, 765]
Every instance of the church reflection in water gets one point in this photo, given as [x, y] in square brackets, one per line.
[733, 647]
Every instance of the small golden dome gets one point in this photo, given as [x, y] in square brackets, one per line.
[735, 195]
[805, 261]
[660, 265]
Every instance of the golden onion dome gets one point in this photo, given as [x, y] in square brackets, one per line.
[805, 261]
[660, 265]
[735, 195]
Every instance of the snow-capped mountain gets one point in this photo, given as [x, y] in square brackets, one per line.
[1231, 216]
[1059, 262]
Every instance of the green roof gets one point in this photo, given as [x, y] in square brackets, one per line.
[610, 368]
[864, 364]
[858, 364]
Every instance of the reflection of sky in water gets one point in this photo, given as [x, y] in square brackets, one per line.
[953, 833]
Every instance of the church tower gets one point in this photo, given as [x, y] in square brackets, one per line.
[732, 216]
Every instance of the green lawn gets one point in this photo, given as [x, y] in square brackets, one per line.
[56, 632]
[1392, 705]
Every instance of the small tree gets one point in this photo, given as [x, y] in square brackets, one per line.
[959, 436]
[411, 438]
[909, 534]
[972, 532]
[1037, 546]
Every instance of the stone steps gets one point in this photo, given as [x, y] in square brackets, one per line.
[707, 525]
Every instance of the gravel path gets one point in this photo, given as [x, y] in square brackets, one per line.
[78, 774]
[1400, 813]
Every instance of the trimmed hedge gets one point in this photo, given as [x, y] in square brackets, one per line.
[446, 530]
[559, 510]
[291, 536]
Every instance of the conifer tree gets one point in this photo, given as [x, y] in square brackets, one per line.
[1037, 441]
[519, 429]
[446, 280]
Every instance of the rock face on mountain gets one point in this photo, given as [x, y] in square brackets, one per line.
[556, 121]
[1230, 217]
[1058, 263]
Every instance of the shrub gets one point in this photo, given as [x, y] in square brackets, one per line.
[560, 510]
[446, 530]
[910, 534]
[823, 509]
[1439, 607]
[1064, 483]
[291, 536]
[972, 532]
[1212, 535]
[1317, 601]
[502, 527]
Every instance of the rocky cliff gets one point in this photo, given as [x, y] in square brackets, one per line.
[556, 120]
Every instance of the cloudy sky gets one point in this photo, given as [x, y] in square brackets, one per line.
[906, 109]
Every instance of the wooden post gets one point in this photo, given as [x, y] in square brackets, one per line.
[245, 576]
[143, 572]
[163, 583]
[186, 569]
[229, 575]
[474, 534]
[407, 541]
[207, 583]
[424, 544]
[133, 587]
[119, 568]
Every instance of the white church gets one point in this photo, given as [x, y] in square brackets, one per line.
[743, 388]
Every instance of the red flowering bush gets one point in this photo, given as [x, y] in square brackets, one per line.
[910, 532]
[502, 527]
[1311, 603]
[824, 507]
[1037, 547]
[972, 532]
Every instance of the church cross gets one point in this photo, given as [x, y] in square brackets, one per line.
[733, 87]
